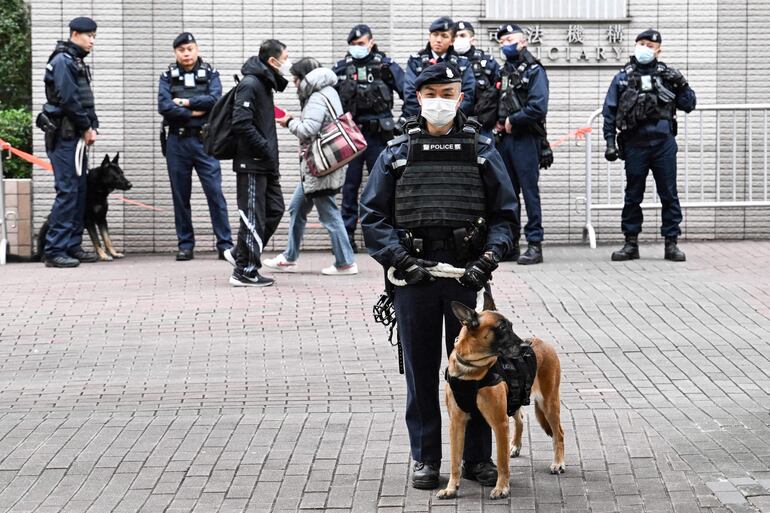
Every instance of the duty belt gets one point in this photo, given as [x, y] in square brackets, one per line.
[438, 244]
[185, 132]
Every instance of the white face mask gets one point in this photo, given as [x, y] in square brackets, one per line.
[644, 54]
[462, 45]
[439, 111]
[285, 67]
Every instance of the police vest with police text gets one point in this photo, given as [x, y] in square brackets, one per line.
[189, 84]
[440, 185]
[372, 92]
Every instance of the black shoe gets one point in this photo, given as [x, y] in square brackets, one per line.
[533, 255]
[240, 280]
[85, 257]
[485, 472]
[61, 261]
[184, 255]
[228, 255]
[673, 252]
[513, 255]
[425, 475]
[629, 251]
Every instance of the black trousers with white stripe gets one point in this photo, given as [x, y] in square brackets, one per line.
[260, 208]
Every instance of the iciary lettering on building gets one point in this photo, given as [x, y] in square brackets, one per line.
[576, 44]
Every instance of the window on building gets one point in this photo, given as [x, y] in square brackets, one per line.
[515, 10]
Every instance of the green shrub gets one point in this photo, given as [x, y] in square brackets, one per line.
[16, 129]
[15, 55]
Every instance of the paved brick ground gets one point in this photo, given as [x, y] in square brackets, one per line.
[148, 385]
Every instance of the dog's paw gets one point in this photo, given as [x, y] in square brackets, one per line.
[446, 493]
[105, 257]
[118, 255]
[557, 468]
[515, 451]
[499, 493]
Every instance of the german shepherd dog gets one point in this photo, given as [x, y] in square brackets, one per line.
[483, 337]
[102, 181]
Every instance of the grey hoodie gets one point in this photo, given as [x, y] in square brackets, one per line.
[315, 115]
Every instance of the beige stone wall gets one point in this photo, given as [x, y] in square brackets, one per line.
[18, 211]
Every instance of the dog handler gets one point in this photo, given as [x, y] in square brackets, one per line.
[67, 118]
[431, 189]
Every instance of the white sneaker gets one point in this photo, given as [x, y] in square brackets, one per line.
[229, 255]
[280, 263]
[340, 271]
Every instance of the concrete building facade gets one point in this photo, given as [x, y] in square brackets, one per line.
[720, 45]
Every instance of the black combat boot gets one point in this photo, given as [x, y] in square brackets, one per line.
[425, 475]
[629, 251]
[673, 252]
[533, 255]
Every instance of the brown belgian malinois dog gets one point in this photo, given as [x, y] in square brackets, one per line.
[484, 336]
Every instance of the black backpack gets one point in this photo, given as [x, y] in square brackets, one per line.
[218, 139]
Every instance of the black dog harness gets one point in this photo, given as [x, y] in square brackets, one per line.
[518, 373]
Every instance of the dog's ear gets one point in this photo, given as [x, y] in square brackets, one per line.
[507, 343]
[106, 161]
[467, 316]
[115, 160]
[489, 303]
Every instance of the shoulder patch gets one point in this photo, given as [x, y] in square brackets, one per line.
[483, 139]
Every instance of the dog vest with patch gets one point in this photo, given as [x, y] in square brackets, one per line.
[518, 373]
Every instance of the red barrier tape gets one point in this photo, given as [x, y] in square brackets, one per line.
[578, 134]
[47, 166]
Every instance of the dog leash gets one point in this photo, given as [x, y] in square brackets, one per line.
[440, 270]
[80, 152]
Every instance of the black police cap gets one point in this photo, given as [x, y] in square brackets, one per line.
[439, 73]
[83, 24]
[183, 39]
[443, 24]
[359, 30]
[464, 25]
[508, 28]
[650, 35]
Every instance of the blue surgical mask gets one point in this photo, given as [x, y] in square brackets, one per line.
[644, 54]
[509, 52]
[358, 52]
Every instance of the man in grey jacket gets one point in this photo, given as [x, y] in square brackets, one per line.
[260, 200]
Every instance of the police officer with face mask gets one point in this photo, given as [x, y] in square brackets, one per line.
[68, 118]
[186, 93]
[523, 86]
[441, 35]
[485, 70]
[640, 111]
[368, 80]
[439, 193]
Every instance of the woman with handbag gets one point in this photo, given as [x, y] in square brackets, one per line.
[320, 106]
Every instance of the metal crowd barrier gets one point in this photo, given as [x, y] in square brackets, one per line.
[708, 173]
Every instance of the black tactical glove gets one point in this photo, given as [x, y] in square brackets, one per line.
[611, 153]
[674, 77]
[413, 270]
[546, 154]
[480, 272]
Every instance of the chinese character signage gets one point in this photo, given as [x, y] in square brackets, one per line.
[572, 43]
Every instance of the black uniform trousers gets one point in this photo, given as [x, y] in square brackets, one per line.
[661, 159]
[422, 311]
[260, 208]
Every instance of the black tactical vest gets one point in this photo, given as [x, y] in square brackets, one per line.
[189, 84]
[426, 55]
[83, 73]
[440, 185]
[514, 87]
[644, 97]
[481, 72]
[372, 92]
